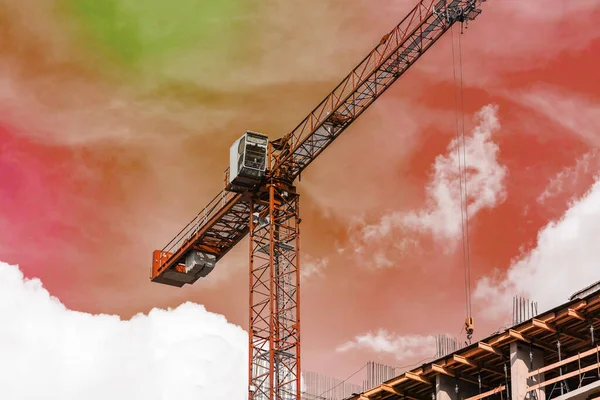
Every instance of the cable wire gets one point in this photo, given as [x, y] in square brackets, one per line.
[462, 174]
[345, 380]
[462, 218]
[320, 396]
[462, 96]
[415, 364]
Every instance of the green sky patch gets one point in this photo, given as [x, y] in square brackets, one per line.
[138, 34]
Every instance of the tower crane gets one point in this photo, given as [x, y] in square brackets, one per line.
[259, 198]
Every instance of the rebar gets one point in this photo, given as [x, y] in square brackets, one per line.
[322, 387]
[523, 309]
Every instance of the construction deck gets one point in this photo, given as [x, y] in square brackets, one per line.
[556, 354]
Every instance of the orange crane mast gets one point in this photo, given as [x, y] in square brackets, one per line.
[260, 199]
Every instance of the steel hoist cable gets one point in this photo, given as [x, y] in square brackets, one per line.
[462, 175]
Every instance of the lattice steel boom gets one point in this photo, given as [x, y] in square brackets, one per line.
[259, 198]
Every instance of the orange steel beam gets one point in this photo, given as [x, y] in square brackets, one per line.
[391, 58]
[215, 230]
[274, 344]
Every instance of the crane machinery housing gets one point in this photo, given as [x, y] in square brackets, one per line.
[260, 199]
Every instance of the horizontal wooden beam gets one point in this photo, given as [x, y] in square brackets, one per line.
[543, 325]
[489, 348]
[417, 377]
[518, 335]
[372, 391]
[554, 329]
[525, 328]
[499, 339]
[572, 311]
[488, 393]
[387, 389]
[391, 389]
[594, 301]
[575, 314]
[534, 342]
[564, 376]
[461, 376]
[574, 335]
[563, 362]
[466, 361]
[397, 380]
[442, 370]
[547, 317]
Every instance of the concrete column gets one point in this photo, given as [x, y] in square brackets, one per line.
[519, 368]
[445, 388]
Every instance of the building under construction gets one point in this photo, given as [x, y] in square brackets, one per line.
[553, 355]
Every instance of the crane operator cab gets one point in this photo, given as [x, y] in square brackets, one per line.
[247, 161]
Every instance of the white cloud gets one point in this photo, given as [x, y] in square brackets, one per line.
[441, 216]
[567, 179]
[565, 259]
[485, 181]
[51, 352]
[403, 347]
[574, 112]
[311, 266]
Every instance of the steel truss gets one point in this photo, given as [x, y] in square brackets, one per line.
[274, 346]
[391, 58]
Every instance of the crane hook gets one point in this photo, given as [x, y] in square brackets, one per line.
[469, 328]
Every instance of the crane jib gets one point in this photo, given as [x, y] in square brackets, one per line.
[224, 222]
[397, 51]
